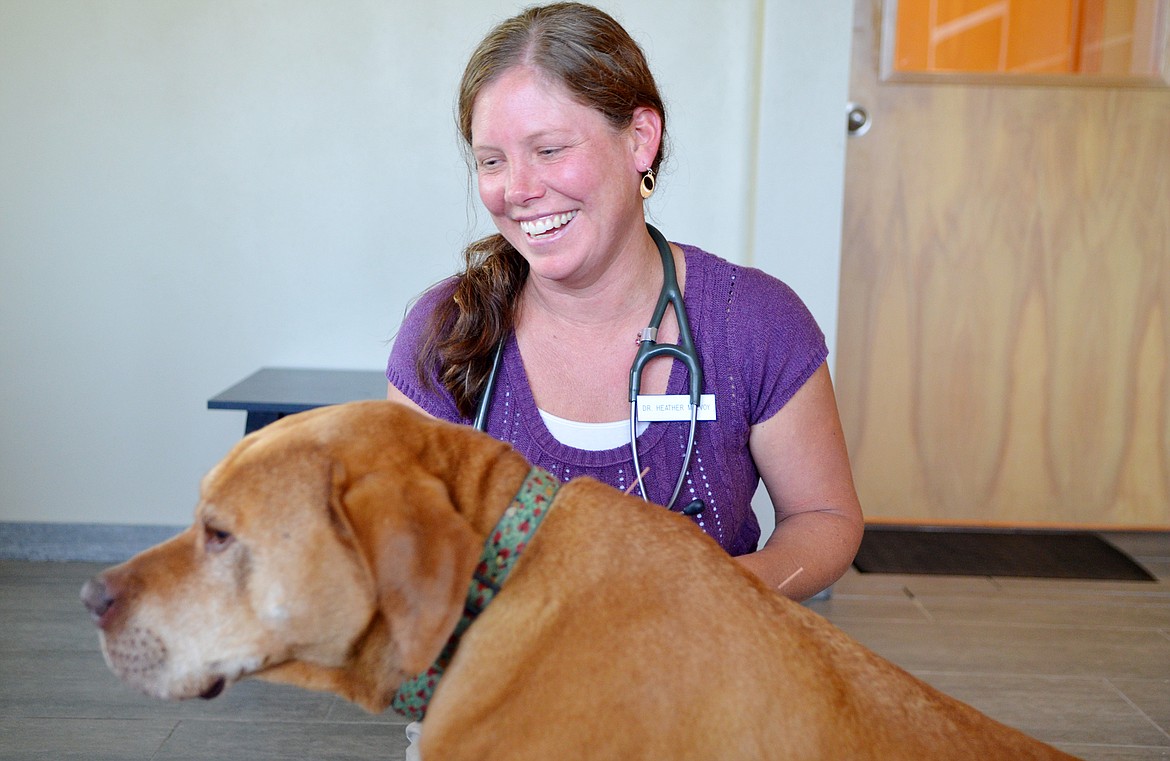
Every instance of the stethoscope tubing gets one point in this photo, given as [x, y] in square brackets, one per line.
[489, 389]
[648, 348]
[682, 475]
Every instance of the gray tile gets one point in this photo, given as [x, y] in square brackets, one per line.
[265, 740]
[1082, 663]
[854, 582]
[39, 593]
[1006, 649]
[1150, 696]
[1054, 709]
[1040, 610]
[1115, 752]
[1057, 588]
[842, 606]
[342, 710]
[41, 607]
[81, 739]
[47, 630]
[78, 685]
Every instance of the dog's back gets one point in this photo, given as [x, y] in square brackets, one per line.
[626, 632]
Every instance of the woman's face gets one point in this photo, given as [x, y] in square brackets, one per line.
[560, 182]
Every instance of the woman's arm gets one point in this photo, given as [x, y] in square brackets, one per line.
[801, 455]
[394, 395]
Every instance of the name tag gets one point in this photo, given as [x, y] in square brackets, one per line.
[659, 408]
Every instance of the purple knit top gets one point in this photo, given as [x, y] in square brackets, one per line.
[757, 343]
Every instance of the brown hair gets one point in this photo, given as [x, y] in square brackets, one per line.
[595, 59]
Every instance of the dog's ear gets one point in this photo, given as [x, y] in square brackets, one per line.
[422, 555]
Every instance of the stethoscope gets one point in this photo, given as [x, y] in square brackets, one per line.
[648, 348]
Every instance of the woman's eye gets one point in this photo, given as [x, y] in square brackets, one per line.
[216, 539]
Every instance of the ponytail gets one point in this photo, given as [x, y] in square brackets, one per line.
[464, 331]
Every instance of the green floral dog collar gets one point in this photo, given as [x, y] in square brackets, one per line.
[507, 541]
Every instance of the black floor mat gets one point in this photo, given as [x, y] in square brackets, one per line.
[974, 552]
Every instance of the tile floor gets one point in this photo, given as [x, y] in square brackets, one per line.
[1084, 665]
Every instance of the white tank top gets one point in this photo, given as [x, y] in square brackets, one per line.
[593, 437]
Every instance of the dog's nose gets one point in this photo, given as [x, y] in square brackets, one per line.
[96, 597]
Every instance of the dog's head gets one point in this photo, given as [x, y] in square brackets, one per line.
[328, 550]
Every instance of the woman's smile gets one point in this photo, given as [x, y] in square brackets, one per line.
[541, 226]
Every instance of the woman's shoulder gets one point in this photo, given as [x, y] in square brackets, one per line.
[419, 310]
[434, 295]
[401, 366]
[754, 322]
[739, 288]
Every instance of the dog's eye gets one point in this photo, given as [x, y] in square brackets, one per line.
[216, 540]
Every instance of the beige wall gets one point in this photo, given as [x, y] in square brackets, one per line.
[190, 190]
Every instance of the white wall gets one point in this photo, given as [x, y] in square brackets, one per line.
[801, 158]
[194, 189]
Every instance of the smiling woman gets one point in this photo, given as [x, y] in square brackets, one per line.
[565, 129]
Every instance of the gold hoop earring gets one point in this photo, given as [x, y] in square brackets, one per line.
[648, 183]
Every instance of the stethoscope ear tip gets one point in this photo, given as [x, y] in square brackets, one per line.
[694, 507]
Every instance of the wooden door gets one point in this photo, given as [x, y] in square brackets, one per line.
[1004, 329]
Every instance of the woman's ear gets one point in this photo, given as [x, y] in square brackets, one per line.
[646, 132]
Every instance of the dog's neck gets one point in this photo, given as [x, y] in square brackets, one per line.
[504, 546]
[480, 480]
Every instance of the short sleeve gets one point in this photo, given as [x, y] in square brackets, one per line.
[784, 346]
[401, 369]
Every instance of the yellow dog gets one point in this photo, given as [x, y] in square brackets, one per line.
[341, 549]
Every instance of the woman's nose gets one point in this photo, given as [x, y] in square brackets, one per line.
[522, 185]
